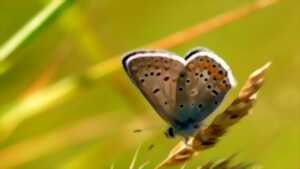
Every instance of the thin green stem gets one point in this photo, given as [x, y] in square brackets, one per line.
[29, 30]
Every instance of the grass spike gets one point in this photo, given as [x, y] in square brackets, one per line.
[135, 157]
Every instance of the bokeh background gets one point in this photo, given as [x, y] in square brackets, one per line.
[49, 118]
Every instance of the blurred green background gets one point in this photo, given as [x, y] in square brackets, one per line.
[91, 125]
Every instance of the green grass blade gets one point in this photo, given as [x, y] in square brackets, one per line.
[38, 101]
[35, 25]
[134, 158]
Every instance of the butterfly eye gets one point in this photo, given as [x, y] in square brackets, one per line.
[170, 133]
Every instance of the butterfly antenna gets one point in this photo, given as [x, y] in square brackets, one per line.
[139, 130]
[151, 147]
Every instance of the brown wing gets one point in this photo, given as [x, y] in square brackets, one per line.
[155, 73]
[202, 86]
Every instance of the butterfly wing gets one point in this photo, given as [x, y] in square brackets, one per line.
[155, 73]
[202, 86]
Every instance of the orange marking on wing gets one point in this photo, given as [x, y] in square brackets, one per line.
[222, 87]
[218, 77]
[203, 65]
[190, 67]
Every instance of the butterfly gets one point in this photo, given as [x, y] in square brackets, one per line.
[184, 92]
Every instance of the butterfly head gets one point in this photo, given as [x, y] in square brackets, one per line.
[170, 132]
[185, 129]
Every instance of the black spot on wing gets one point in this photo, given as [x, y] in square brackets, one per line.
[155, 91]
[215, 92]
[200, 106]
[166, 78]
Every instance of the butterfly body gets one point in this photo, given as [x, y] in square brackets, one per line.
[182, 91]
